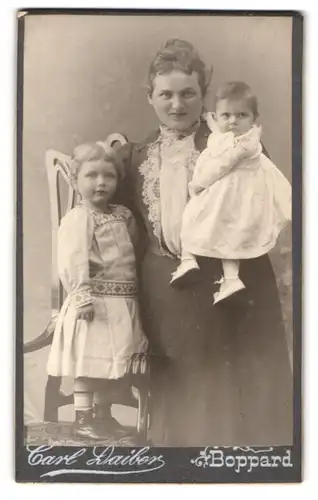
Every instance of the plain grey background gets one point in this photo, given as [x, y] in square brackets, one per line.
[85, 77]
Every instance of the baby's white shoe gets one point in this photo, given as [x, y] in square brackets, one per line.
[228, 287]
[185, 272]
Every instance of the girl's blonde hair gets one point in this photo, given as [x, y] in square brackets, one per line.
[93, 151]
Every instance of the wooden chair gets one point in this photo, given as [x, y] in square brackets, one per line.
[62, 199]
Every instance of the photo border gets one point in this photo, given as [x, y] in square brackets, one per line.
[181, 465]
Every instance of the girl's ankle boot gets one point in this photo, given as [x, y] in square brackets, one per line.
[84, 425]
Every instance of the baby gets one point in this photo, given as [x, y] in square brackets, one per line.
[240, 201]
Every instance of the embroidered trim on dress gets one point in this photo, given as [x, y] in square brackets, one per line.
[83, 297]
[114, 288]
[118, 214]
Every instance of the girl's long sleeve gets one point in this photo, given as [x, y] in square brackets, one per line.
[75, 237]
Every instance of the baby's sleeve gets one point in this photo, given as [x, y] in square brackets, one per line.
[75, 238]
[219, 158]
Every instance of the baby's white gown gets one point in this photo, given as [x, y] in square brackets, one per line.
[240, 200]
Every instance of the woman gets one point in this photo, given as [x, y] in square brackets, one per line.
[220, 374]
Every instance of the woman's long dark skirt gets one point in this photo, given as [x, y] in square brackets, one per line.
[220, 374]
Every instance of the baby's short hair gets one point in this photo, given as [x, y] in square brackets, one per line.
[238, 91]
[94, 151]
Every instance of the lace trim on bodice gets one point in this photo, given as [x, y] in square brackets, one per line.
[150, 171]
[164, 146]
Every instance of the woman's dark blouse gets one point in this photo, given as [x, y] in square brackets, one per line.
[220, 374]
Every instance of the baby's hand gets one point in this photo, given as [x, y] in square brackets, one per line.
[85, 312]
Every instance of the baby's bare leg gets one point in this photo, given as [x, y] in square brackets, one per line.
[185, 255]
[230, 268]
[187, 269]
[230, 282]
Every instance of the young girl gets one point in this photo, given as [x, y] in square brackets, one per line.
[98, 327]
[240, 201]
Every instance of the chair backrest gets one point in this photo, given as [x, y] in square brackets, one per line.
[62, 199]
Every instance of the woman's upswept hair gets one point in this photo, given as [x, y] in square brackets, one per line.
[94, 151]
[238, 91]
[178, 55]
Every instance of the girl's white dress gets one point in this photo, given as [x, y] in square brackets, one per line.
[239, 202]
[96, 264]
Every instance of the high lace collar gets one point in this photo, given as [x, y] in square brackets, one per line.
[167, 132]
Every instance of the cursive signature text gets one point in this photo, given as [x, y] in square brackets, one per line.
[97, 461]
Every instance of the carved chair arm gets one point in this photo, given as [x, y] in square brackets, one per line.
[43, 340]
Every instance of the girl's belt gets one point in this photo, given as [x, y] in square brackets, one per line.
[113, 288]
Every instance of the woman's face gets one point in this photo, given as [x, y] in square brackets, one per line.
[177, 99]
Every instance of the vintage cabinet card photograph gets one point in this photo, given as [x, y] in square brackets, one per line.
[159, 210]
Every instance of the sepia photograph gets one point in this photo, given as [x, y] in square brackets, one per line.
[159, 181]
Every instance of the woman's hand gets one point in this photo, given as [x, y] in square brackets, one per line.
[86, 312]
